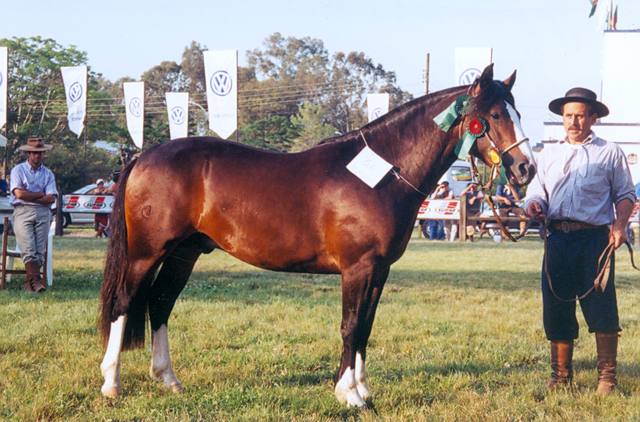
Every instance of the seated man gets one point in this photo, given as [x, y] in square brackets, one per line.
[473, 197]
[34, 188]
[507, 206]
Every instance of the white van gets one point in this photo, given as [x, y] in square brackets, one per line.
[459, 175]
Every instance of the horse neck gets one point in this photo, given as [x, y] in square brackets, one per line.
[411, 141]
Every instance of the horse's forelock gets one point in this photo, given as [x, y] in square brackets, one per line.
[491, 94]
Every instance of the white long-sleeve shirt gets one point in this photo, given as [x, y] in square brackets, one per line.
[581, 182]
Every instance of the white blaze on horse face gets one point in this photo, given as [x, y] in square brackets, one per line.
[161, 367]
[361, 377]
[110, 365]
[524, 147]
[346, 391]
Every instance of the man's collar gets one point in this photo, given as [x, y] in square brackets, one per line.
[589, 139]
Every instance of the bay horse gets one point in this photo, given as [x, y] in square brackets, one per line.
[299, 212]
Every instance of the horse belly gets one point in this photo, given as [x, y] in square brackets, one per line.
[273, 245]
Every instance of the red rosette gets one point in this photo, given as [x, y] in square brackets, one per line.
[477, 127]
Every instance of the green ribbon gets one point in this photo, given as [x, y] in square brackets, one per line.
[448, 116]
[464, 145]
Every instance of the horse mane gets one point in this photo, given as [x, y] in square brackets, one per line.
[489, 96]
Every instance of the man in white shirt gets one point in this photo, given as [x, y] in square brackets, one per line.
[34, 189]
[579, 184]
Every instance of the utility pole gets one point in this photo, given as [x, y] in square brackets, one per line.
[426, 74]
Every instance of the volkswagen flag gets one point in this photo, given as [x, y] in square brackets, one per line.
[470, 62]
[3, 86]
[377, 105]
[134, 104]
[221, 72]
[75, 88]
[178, 111]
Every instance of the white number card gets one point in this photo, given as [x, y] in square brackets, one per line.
[369, 167]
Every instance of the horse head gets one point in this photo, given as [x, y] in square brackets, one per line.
[490, 117]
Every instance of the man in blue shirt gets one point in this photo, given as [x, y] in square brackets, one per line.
[34, 189]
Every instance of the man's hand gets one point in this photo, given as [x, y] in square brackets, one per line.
[534, 211]
[617, 236]
[46, 199]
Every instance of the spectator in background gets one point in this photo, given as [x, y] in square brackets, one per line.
[436, 227]
[473, 197]
[507, 206]
[34, 188]
[4, 187]
[101, 220]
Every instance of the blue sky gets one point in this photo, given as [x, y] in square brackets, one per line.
[552, 43]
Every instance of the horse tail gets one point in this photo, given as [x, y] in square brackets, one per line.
[115, 296]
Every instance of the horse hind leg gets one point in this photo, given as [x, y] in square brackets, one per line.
[171, 279]
[110, 366]
[121, 332]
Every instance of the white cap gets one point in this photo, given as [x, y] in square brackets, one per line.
[99, 181]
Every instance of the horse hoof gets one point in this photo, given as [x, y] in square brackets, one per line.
[110, 391]
[363, 390]
[175, 387]
[350, 397]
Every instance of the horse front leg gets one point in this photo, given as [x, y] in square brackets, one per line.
[110, 366]
[362, 383]
[359, 284]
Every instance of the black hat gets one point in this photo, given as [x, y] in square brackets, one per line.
[579, 95]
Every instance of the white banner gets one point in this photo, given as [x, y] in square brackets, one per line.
[377, 105]
[439, 209]
[221, 72]
[4, 81]
[178, 112]
[470, 62]
[75, 88]
[99, 204]
[134, 104]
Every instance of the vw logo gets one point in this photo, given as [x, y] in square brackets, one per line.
[221, 83]
[377, 112]
[468, 76]
[135, 107]
[178, 115]
[75, 92]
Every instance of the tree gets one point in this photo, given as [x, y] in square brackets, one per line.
[272, 132]
[37, 106]
[312, 126]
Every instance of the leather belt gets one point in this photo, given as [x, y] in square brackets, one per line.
[568, 226]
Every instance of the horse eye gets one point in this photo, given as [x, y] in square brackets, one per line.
[495, 116]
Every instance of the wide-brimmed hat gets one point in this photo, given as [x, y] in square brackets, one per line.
[579, 95]
[35, 145]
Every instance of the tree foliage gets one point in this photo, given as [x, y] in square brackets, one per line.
[292, 93]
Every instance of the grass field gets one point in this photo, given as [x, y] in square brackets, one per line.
[457, 336]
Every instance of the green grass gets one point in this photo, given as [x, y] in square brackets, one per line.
[458, 336]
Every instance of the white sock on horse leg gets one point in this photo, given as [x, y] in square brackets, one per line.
[161, 367]
[361, 377]
[346, 391]
[110, 365]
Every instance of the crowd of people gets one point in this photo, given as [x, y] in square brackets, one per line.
[505, 200]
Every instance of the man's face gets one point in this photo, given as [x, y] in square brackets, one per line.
[577, 120]
[35, 158]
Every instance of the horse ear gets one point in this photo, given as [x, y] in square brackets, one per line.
[510, 81]
[485, 78]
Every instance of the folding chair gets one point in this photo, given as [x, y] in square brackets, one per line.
[9, 255]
